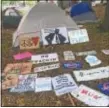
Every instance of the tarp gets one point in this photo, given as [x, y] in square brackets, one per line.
[83, 13]
[42, 15]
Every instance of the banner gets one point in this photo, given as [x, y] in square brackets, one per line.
[45, 58]
[47, 67]
[92, 74]
[63, 84]
[90, 97]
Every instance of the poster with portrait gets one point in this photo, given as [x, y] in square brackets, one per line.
[57, 35]
[27, 42]
[18, 68]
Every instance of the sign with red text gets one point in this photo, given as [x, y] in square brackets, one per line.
[90, 96]
[29, 42]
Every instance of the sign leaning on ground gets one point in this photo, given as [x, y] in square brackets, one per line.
[90, 96]
[63, 84]
[43, 84]
[54, 36]
[68, 55]
[85, 53]
[47, 67]
[78, 36]
[45, 58]
[29, 42]
[92, 74]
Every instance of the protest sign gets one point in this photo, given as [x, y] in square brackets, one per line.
[54, 36]
[43, 84]
[90, 97]
[78, 36]
[63, 84]
[45, 58]
[10, 80]
[21, 56]
[72, 65]
[28, 42]
[47, 67]
[104, 87]
[92, 60]
[68, 55]
[92, 74]
[18, 68]
[26, 83]
[85, 53]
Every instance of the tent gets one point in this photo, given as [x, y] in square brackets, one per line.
[82, 13]
[11, 17]
[42, 15]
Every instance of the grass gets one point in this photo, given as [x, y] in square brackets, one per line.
[98, 40]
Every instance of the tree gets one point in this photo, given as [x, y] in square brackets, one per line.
[105, 24]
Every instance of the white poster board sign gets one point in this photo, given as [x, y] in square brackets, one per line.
[92, 74]
[68, 55]
[78, 36]
[45, 58]
[47, 67]
[43, 84]
[63, 84]
[90, 96]
[57, 35]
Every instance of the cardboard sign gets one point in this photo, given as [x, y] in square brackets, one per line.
[54, 36]
[92, 60]
[47, 67]
[72, 65]
[92, 74]
[85, 53]
[43, 84]
[78, 36]
[104, 88]
[106, 51]
[18, 68]
[21, 56]
[45, 58]
[26, 83]
[29, 42]
[68, 55]
[63, 84]
[91, 97]
[10, 80]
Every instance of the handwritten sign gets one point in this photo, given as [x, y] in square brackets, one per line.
[47, 67]
[43, 84]
[68, 55]
[29, 42]
[18, 68]
[45, 58]
[54, 36]
[92, 74]
[85, 53]
[26, 83]
[63, 84]
[78, 36]
[10, 80]
[91, 97]
[104, 87]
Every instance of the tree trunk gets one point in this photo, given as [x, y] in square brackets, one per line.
[105, 24]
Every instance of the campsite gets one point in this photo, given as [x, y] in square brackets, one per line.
[49, 67]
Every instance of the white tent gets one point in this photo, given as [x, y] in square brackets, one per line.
[42, 15]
